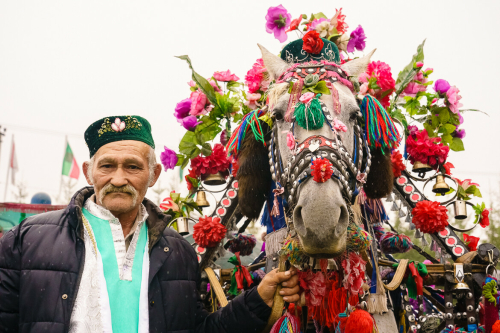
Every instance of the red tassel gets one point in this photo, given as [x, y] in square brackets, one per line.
[359, 321]
[288, 323]
[496, 327]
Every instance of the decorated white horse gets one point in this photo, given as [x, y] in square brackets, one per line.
[316, 147]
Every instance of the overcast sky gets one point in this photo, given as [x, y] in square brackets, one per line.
[65, 64]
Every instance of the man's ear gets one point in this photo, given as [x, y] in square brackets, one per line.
[157, 175]
[85, 168]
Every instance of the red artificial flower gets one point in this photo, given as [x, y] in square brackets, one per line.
[235, 167]
[471, 242]
[216, 162]
[485, 219]
[341, 26]
[447, 167]
[397, 163]
[430, 216]
[314, 286]
[294, 24]
[422, 148]
[208, 232]
[191, 174]
[321, 170]
[169, 203]
[312, 42]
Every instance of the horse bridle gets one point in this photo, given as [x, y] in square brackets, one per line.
[351, 171]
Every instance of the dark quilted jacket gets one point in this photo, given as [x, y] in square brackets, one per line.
[41, 263]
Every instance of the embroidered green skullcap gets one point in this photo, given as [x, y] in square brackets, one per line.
[118, 128]
[293, 52]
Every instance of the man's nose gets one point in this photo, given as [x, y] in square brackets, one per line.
[119, 178]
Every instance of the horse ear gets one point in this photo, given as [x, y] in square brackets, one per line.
[275, 65]
[381, 178]
[357, 66]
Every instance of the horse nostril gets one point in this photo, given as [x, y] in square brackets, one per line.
[343, 221]
[298, 221]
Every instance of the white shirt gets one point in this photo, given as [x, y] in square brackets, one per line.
[91, 312]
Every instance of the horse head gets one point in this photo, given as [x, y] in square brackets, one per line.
[320, 210]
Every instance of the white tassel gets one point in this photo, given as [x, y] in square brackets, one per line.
[274, 240]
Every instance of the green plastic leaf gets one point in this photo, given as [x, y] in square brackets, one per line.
[208, 130]
[477, 193]
[180, 159]
[319, 15]
[187, 144]
[193, 181]
[233, 85]
[185, 163]
[473, 110]
[206, 150]
[412, 105]
[447, 139]
[430, 129]
[444, 114]
[202, 83]
[450, 128]
[319, 88]
[175, 196]
[457, 144]
[407, 74]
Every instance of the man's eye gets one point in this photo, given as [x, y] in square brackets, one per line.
[106, 166]
[134, 167]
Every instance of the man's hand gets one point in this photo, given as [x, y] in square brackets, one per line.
[289, 281]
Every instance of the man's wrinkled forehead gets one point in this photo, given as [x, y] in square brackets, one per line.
[127, 149]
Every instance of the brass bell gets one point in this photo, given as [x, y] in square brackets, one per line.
[215, 179]
[421, 168]
[440, 187]
[182, 226]
[460, 208]
[201, 199]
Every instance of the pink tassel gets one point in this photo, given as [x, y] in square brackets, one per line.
[276, 205]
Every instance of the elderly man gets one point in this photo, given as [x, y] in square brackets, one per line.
[107, 263]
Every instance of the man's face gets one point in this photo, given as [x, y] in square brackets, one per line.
[120, 175]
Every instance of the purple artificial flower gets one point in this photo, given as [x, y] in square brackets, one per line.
[459, 133]
[189, 122]
[182, 109]
[357, 40]
[223, 137]
[277, 21]
[460, 118]
[168, 158]
[441, 86]
[412, 130]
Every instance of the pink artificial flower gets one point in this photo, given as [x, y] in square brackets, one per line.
[466, 183]
[434, 101]
[192, 83]
[419, 64]
[412, 89]
[252, 100]
[339, 125]
[453, 99]
[225, 76]
[290, 141]
[307, 97]
[198, 102]
[255, 77]
[363, 90]
[213, 84]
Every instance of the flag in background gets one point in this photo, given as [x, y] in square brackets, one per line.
[13, 163]
[70, 167]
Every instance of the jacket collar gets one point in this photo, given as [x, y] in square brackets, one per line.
[157, 221]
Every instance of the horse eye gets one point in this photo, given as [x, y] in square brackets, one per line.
[354, 115]
[278, 116]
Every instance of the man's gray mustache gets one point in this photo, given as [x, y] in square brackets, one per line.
[110, 188]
